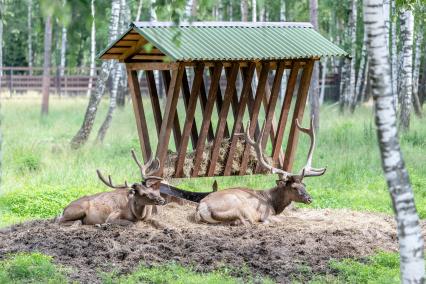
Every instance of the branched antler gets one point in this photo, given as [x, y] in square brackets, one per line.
[145, 167]
[109, 181]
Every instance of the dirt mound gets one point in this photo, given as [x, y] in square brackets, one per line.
[302, 237]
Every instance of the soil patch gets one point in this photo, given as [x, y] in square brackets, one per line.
[280, 250]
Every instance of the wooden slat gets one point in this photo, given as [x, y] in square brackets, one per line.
[125, 43]
[291, 83]
[153, 94]
[260, 92]
[134, 49]
[247, 73]
[111, 56]
[219, 102]
[117, 49]
[206, 118]
[132, 36]
[168, 118]
[299, 109]
[148, 57]
[189, 120]
[132, 77]
[176, 126]
[223, 115]
[203, 103]
[152, 66]
[270, 111]
[152, 51]
[186, 95]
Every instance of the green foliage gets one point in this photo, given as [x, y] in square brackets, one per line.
[30, 268]
[175, 274]
[26, 160]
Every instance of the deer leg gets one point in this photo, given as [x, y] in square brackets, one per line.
[116, 218]
[71, 214]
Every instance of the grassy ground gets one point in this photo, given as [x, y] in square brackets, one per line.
[41, 175]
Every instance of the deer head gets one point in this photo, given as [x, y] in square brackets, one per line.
[286, 180]
[147, 192]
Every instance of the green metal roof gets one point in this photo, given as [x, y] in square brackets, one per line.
[235, 41]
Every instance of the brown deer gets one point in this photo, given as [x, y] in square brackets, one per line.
[124, 205]
[242, 205]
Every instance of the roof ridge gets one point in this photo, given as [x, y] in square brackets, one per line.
[208, 24]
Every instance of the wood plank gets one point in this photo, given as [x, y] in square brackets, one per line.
[177, 135]
[223, 115]
[299, 109]
[206, 118]
[118, 50]
[260, 93]
[125, 43]
[168, 118]
[152, 66]
[189, 120]
[149, 57]
[153, 94]
[270, 109]
[247, 73]
[152, 51]
[285, 110]
[132, 36]
[203, 103]
[132, 77]
[186, 95]
[107, 56]
[134, 49]
[219, 102]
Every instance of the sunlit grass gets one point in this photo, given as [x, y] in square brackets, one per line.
[41, 174]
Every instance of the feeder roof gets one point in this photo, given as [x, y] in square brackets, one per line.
[219, 41]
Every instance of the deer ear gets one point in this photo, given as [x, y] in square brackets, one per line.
[152, 182]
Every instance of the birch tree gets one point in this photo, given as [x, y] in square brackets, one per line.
[407, 26]
[351, 88]
[46, 64]
[362, 74]
[139, 11]
[92, 70]
[314, 91]
[409, 232]
[416, 72]
[284, 79]
[63, 47]
[30, 35]
[254, 11]
[89, 118]
[244, 10]
[394, 55]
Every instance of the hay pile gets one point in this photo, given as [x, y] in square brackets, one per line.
[169, 168]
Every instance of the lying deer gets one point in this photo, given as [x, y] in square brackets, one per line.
[124, 205]
[242, 205]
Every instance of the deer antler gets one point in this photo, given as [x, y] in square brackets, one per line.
[259, 153]
[109, 182]
[307, 170]
[144, 168]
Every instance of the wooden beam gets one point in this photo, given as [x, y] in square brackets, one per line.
[132, 77]
[299, 109]
[291, 83]
[206, 118]
[247, 73]
[189, 121]
[152, 66]
[186, 96]
[148, 57]
[176, 125]
[203, 103]
[169, 114]
[260, 92]
[219, 102]
[153, 94]
[223, 115]
[270, 109]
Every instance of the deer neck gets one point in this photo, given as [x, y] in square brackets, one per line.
[278, 198]
[138, 210]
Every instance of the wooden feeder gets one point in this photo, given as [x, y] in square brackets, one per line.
[205, 51]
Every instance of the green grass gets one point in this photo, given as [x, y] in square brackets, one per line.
[41, 174]
[30, 268]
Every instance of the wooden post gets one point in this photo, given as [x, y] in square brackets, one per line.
[219, 102]
[176, 126]
[169, 115]
[189, 121]
[206, 118]
[223, 115]
[186, 95]
[247, 74]
[291, 83]
[298, 114]
[260, 92]
[203, 102]
[153, 94]
[132, 77]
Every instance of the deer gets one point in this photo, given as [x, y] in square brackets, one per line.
[244, 206]
[125, 205]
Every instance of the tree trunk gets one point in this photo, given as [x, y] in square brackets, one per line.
[284, 79]
[323, 78]
[89, 118]
[313, 91]
[63, 48]
[394, 57]
[353, 22]
[253, 11]
[46, 65]
[366, 80]
[416, 73]
[92, 71]
[30, 35]
[407, 67]
[361, 74]
[244, 10]
[138, 13]
[1, 36]
[122, 83]
[408, 227]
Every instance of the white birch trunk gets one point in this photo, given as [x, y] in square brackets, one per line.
[407, 26]
[323, 78]
[408, 227]
[284, 80]
[83, 134]
[386, 15]
[1, 36]
[416, 72]
[352, 75]
[254, 11]
[30, 34]
[92, 70]
[314, 90]
[394, 57]
[46, 65]
[244, 10]
[139, 11]
[360, 81]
